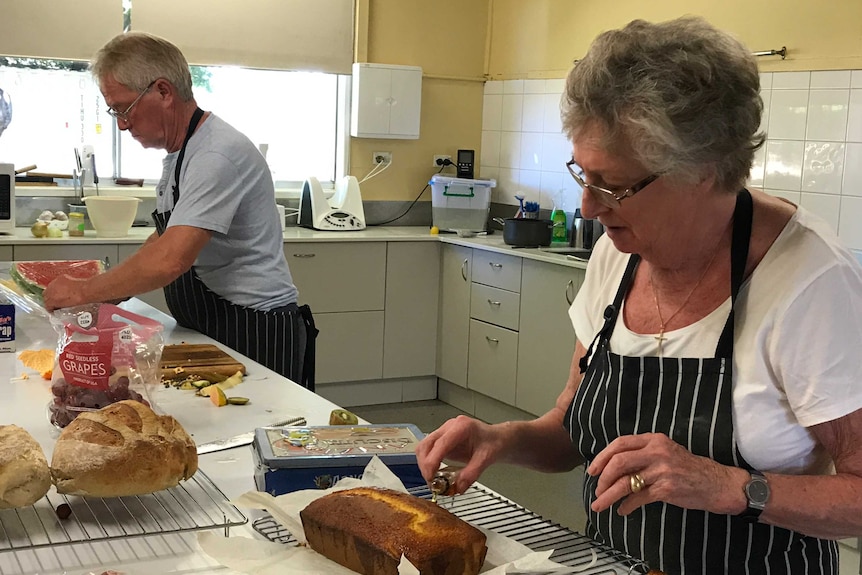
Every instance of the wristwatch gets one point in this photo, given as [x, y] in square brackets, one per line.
[757, 492]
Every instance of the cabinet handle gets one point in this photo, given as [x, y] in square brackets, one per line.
[492, 302]
[570, 289]
[303, 255]
[493, 265]
[492, 339]
[464, 270]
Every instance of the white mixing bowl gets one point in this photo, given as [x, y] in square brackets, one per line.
[112, 216]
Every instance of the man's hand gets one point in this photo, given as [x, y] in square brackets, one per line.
[64, 291]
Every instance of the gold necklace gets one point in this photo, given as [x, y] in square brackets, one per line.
[660, 338]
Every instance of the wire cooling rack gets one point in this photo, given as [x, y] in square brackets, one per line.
[194, 505]
[488, 510]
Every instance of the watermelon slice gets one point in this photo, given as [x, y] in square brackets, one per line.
[34, 277]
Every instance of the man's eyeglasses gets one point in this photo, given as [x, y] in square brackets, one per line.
[124, 116]
[610, 198]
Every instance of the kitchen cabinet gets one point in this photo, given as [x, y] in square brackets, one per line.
[546, 340]
[7, 253]
[345, 286]
[454, 313]
[156, 297]
[29, 252]
[386, 101]
[410, 325]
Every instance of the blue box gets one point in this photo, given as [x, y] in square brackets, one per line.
[7, 325]
[293, 458]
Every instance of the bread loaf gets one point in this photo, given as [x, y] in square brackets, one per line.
[122, 449]
[24, 474]
[368, 529]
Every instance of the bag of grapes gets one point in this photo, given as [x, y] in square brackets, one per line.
[104, 354]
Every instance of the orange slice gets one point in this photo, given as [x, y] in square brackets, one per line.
[218, 397]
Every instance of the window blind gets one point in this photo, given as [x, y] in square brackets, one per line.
[52, 29]
[271, 34]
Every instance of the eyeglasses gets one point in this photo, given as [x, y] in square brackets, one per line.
[124, 116]
[609, 198]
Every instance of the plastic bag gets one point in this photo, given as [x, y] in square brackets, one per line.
[104, 354]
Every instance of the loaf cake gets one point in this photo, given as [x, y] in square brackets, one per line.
[122, 449]
[24, 474]
[368, 529]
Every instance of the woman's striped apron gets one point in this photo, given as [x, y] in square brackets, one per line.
[689, 400]
[282, 339]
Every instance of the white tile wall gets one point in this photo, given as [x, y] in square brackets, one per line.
[812, 156]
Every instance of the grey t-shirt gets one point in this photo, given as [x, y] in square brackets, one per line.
[226, 188]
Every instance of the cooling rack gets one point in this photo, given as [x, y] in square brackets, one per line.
[56, 519]
[491, 511]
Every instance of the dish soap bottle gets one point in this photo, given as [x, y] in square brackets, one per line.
[559, 233]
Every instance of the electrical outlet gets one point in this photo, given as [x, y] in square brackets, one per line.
[439, 158]
[381, 157]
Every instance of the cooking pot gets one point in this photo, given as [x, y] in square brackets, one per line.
[526, 233]
[585, 232]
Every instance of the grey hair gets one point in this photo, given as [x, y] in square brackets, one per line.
[135, 59]
[683, 95]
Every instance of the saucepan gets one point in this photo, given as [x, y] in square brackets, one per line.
[526, 233]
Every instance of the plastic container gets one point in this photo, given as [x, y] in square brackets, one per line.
[292, 458]
[112, 216]
[560, 233]
[460, 203]
[77, 223]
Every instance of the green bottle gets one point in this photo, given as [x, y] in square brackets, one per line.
[559, 235]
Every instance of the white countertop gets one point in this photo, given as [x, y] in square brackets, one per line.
[295, 234]
[272, 398]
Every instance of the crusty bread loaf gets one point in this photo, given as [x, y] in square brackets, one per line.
[24, 474]
[368, 529]
[122, 449]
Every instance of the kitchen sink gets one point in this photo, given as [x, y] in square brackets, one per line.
[579, 253]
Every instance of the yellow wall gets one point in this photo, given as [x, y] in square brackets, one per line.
[447, 39]
[458, 42]
[540, 38]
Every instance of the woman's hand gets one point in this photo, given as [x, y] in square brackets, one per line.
[670, 473]
[462, 439]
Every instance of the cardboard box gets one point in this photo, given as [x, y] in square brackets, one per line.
[293, 458]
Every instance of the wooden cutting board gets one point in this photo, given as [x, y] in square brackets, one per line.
[197, 359]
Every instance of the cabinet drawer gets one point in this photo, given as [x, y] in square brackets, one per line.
[493, 363]
[497, 270]
[339, 276]
[497, 306]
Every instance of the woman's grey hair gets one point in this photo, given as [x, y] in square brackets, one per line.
[683, 95]
[135, 59]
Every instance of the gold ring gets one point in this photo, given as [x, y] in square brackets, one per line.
[636, 482]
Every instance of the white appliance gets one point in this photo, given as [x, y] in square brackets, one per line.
[7, 199]
[342, 212]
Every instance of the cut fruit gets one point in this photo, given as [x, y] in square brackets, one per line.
[237, 400]
[217, 396]
[34, 277]
[342, 417]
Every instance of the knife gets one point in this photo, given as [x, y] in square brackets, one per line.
[243, 438]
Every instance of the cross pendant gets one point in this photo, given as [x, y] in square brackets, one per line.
[660, 338]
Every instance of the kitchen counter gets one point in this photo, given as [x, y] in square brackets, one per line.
[295, 234]
[272, 398]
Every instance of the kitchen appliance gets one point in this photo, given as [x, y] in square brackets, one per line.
[466, 160]
[7, 199]
[525, 232]
[585, 233]
[342, 212]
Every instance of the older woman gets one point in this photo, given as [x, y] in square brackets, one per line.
[714, 392]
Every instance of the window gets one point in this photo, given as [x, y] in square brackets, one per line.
[57, 107]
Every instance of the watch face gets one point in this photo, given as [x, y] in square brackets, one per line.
[757, 490]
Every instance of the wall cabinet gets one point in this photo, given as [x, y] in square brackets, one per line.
[546, 340]
[386, 101]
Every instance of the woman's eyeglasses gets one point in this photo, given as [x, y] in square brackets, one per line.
[124, 116]
[609, 198]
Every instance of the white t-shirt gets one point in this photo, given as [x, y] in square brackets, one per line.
[797, 356]
[226, 188]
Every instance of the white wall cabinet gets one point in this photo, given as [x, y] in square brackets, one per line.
[386, 101]
[546, 340]
[454, 313]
